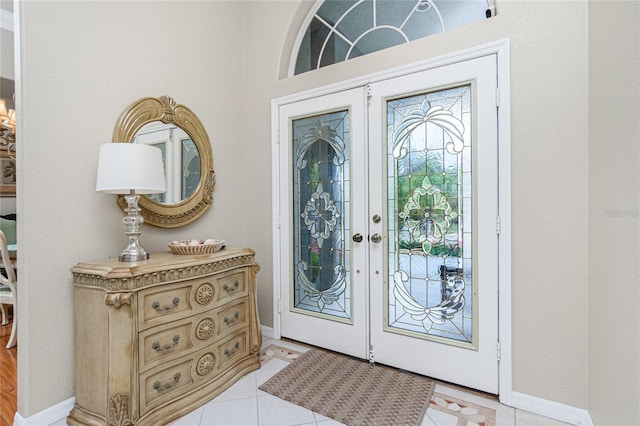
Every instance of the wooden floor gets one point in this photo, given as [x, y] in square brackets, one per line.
[8, 377]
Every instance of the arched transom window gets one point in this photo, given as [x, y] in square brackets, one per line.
[338, 30]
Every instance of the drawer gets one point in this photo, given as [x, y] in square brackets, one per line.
[232, 316]
[233, 349]
[185, 374]
[163, 304]
[231, 285]
[163, 385]
[169, 341]
[157, 344]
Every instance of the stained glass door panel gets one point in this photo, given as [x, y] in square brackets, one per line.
[429, 157]
[160, 198]
[190, 168]
[321, 215]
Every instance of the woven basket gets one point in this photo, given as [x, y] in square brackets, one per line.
[177, 247]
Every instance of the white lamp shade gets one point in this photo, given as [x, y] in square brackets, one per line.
[123, 167]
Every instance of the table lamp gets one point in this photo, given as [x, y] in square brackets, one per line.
[131, 169]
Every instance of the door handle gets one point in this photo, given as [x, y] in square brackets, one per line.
[357, 238]
[376, 238]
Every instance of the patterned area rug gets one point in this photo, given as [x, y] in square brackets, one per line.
[351, 391]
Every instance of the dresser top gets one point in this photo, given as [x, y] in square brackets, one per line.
[111, 274]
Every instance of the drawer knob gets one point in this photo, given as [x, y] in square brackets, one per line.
[174, 304]
[160, 348]
[160, 387]
[232, 288]
[231, 352]
[233, 319]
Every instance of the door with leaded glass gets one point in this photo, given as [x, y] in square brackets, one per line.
[434, 271]
[323, 222]
[389, 206]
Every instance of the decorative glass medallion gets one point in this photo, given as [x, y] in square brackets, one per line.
[429, 287]
[320, 200]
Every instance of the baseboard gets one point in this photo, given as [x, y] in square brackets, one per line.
[551, 409]
[268, 332]
[48, 416]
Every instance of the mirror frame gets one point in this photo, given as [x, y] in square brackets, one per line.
[166, 110]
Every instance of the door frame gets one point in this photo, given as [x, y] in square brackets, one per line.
[499, 48]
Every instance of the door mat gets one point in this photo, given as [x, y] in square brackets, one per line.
[351, 390]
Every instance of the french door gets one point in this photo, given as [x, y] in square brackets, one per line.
[388, 209]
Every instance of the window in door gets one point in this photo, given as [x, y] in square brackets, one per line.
[320, 198]
[429, 192]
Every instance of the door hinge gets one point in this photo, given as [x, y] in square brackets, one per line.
[497, 97]
[498, 225]
[498, 351]
[369, 90]
[372, 358]
[279, 306]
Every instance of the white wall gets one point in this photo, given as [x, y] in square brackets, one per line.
[614, 212]
[549, 167]
[82, 64]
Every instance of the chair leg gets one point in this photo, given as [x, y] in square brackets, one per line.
[5, 321]
[14, 329]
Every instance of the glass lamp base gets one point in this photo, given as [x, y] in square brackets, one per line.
[134, 251]
[134, 255]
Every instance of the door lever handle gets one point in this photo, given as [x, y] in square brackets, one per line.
[376, 238]
[357, 238]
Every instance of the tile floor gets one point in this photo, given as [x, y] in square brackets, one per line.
[244, 404]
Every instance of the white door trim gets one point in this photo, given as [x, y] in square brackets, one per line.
[501, 49]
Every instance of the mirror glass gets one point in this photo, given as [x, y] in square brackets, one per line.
[181, 160]
[186, 148]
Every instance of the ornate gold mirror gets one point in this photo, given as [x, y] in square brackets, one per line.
[186, 148]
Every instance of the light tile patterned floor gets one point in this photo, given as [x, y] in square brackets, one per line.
[244, 404]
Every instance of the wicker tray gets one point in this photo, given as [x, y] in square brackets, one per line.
[189, 246]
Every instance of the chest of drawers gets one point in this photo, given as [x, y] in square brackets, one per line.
[156, 339]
